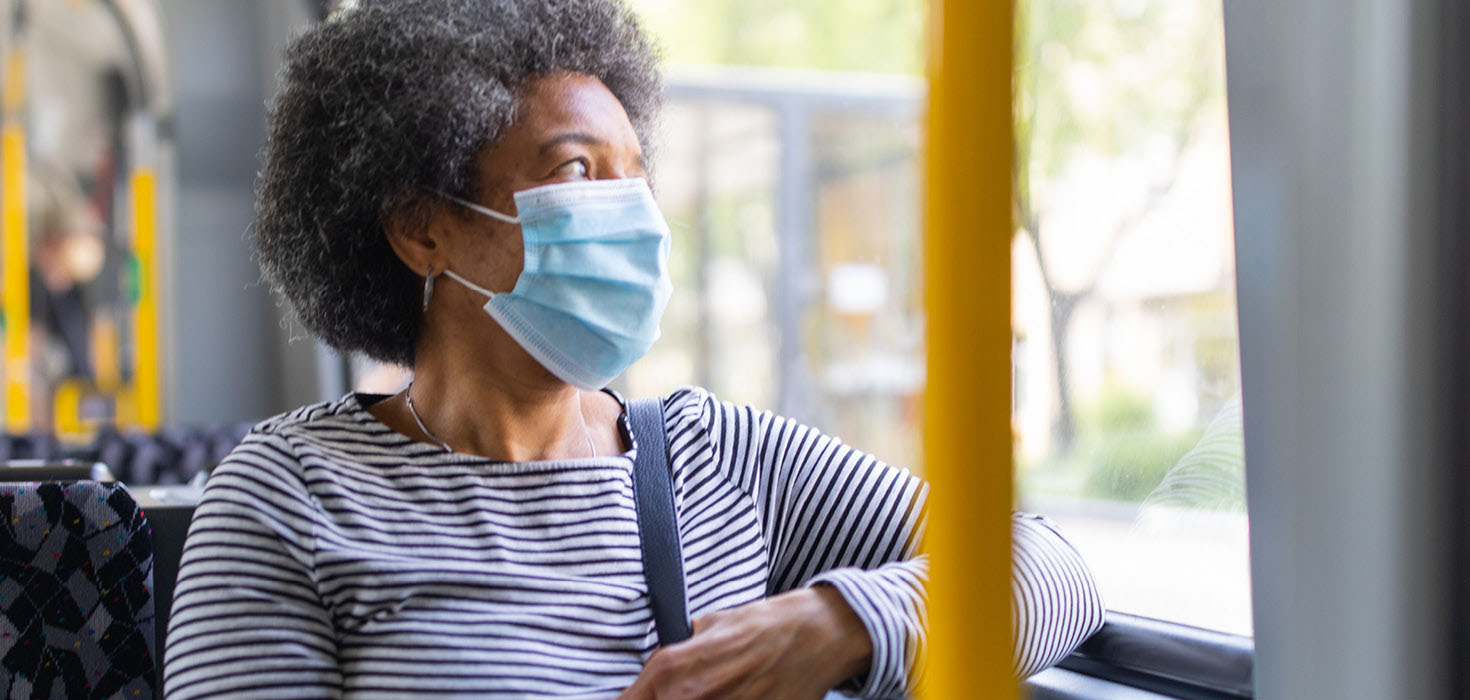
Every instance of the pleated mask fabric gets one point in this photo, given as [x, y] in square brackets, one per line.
[595, 280]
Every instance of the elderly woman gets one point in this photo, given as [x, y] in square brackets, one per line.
[460, 186]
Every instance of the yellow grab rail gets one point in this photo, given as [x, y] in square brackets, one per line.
[145, 393]
[967, 401]
[16, 292]
[15, 254]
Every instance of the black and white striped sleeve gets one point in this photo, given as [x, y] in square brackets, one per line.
[1055, 604]
[834, 516]
[247, 619]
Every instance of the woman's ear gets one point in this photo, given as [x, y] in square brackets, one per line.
[413, 230]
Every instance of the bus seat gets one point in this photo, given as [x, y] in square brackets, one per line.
[54, 470]
[75, 592]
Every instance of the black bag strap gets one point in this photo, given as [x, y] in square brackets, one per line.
[658, 530]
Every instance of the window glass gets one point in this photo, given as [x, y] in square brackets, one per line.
[1127, 380]
[794, 199]
[788, 169]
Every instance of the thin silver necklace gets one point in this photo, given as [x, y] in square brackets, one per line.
[408, 397]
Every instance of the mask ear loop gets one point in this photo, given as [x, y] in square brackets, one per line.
[487, 211]
[454, 276]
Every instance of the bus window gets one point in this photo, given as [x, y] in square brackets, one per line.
[793, 199]
[797, 257]
[1127, 405]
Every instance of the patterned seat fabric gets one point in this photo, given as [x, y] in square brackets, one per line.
[76, 579]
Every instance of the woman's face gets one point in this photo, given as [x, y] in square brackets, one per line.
[567, 127]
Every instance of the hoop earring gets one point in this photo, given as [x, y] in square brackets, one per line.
[428, 287]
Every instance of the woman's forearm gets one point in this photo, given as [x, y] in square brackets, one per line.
[834, 620]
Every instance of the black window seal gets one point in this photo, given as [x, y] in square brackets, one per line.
[1167, 658]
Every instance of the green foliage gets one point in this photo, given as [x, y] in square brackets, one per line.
[870, 35]
[1121, 455]
[1126, 456]
[1130, 468]
[1115, 411]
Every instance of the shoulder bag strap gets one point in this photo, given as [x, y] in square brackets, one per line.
[658, 530]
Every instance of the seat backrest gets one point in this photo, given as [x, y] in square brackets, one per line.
[76, 603]
[54, 470]
[170, 510]
[29, 446]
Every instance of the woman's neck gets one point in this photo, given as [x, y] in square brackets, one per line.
[481, 393]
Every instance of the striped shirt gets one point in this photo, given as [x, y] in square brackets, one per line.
[333, 557]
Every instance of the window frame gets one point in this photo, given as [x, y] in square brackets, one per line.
[1166, 658]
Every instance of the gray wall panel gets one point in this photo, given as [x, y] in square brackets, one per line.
[232, 355]
[1344, 481]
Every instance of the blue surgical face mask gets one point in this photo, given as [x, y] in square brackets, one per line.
[595, 279]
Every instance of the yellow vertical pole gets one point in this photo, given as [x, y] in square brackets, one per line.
[967, 401]
[15, 290]
[145, 316]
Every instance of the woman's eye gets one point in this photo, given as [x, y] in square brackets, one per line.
[571, 168]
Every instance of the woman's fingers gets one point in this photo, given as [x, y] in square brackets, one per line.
[642, 689]
[684, 671]
[762, 651]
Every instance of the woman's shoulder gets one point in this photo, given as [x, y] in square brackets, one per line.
[692, 406]
[267, 466]
[347, 414]
[697, 405]
[687, 399]
[280, 437]
[689, 411]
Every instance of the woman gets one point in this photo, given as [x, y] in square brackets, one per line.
[460, 186]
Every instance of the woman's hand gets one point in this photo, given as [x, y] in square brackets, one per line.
[795, 646]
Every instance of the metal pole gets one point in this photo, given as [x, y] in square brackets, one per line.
[704, 361]
[967, 296]
[14, 249]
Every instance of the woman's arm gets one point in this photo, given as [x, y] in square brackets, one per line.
[1055, 604]
[836, 520]
[247, 621]
[835, 516]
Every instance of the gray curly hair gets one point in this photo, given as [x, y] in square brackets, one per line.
[391, 99]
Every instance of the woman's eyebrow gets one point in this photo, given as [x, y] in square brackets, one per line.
[573, 136]
[584, 139]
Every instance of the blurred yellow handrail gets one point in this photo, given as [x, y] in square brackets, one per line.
[145, 392]
[967, 403]
[15, 291]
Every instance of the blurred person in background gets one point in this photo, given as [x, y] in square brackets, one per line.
[67, 255]
[461, 187]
